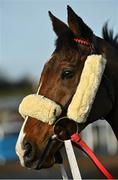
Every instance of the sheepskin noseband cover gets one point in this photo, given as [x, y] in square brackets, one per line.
[47, 111]
[40, 107]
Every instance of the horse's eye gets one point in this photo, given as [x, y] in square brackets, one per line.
[67, 74]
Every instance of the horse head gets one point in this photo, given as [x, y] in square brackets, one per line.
[58, 83]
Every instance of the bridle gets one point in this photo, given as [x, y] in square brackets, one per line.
[74, 137]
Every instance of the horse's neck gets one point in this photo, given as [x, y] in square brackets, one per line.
[107, 49]
[111, 55]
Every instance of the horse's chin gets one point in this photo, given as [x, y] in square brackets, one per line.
[50, 161]
[47, 163]
[37, 165]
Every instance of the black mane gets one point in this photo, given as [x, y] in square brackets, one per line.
[108, 35]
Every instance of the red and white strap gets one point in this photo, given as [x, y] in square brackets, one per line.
[79, 143]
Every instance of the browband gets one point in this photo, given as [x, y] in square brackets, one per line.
[47, 111]
[82, 41]
[85, 43]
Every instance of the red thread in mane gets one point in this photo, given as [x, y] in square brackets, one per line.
[86, 43]
[83, 42]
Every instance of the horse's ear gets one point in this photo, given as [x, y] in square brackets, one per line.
[58, 26]
[77, 26]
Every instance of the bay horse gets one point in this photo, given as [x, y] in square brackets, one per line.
[59, 79]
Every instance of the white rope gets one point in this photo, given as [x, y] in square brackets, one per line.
[63, 172]
[72, 160]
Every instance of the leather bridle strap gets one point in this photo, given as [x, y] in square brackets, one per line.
[79, 143]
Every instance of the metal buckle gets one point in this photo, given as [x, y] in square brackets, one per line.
[64, 128]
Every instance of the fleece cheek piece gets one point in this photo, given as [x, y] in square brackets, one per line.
[40, 107]
[84, 96]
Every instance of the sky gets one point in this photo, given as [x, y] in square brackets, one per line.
[26, 35]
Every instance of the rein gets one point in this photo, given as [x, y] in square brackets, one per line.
[80, 144]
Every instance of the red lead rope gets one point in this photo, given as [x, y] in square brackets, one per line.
[81, 144]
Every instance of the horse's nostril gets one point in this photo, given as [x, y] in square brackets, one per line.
[29, 150]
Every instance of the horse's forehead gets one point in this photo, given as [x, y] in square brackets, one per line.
[54, 66]
[64, 56]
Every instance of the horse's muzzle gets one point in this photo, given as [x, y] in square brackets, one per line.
[45, 159]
